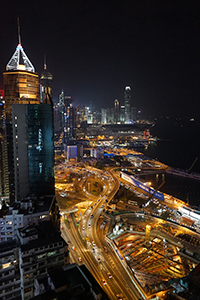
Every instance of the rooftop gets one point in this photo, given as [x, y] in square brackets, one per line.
[47, 235]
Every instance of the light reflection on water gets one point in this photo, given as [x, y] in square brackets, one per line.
[179, 187]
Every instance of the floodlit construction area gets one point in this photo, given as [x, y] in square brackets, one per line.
[153, 260]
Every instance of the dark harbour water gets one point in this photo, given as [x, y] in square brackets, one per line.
[178, 146]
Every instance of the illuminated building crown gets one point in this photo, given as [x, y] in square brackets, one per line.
[18, 57]
[19, 60]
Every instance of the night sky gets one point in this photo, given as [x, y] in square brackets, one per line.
[95, 48]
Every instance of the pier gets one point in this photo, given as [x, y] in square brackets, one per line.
[183, 173]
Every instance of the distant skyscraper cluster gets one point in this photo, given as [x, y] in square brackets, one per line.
[72, 122]
[124, 114]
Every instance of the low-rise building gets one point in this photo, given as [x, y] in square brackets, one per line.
[31, 211]
[42, 249]
[38, 250]
[10, 282]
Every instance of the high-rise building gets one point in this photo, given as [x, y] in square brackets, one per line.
[104, 116]
[45, 80]
[127, 104]
[21, 86]
[116, 111]
[122, 109]
[4, 186]
[79, 115]
[66, 116]
[69, 122]
[88, 115]
[33, 145]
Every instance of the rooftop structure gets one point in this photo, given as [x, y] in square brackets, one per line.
[20, 61]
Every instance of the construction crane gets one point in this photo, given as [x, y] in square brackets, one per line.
[192, 165]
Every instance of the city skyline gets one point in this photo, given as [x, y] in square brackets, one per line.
[94, 50]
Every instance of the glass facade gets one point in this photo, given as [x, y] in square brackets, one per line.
[33, 140]
[41, 149]
[20, 87]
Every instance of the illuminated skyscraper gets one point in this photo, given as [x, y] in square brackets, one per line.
[104, 116]
[21, 86]
[46, 79]
[4, 186]
[69, 123]
[127, 104]
[122, 114]
[116, 111]
[33, 139]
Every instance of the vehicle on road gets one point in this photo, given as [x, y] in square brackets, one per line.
[109, 275]
[104, 282]
[73, 248]
[79, 258]
[98, 259]
[63, 194]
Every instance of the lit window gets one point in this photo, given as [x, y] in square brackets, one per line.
[15, 118]
[41, 255]
[9, 222]
[51, 253]
[16, 136]
[7, 265]
[43, 216]
[15, 125]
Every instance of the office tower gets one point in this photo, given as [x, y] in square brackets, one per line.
[33, 145]
[21, 86]
[61, 98]
[127, 104]
[59, 113]
[104, 116]
[110, 115]
[66, 116]
[88, 115]
[79, 115]
[116, 111]
[56, 120]
[122, 110]
[133, 114]
[73, 152]
[69, 123]
[46, 85]
[4, 186]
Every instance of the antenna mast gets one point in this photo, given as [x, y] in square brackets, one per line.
[19, 31]
[45, 65]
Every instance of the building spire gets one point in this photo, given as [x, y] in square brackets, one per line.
[45, 64]
[19, 37]
[14, 62]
